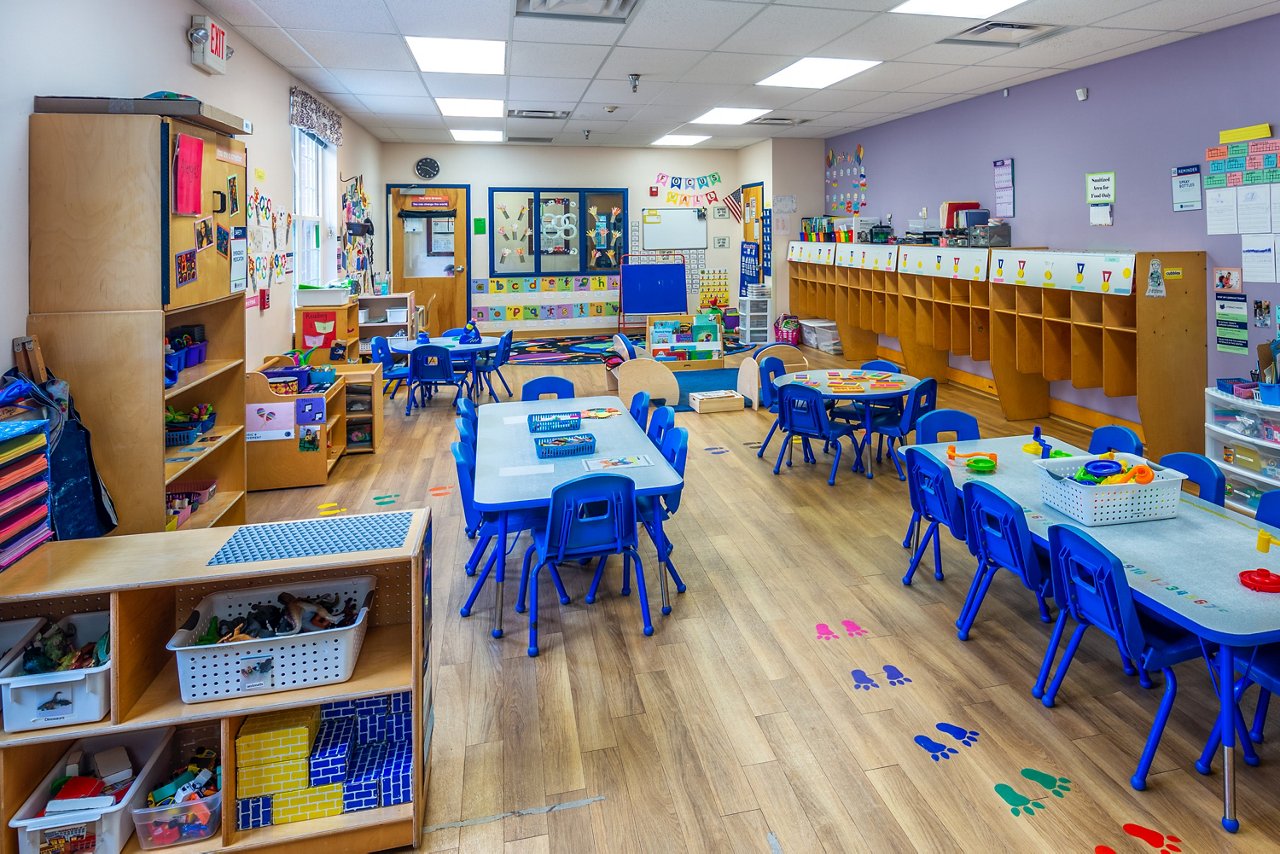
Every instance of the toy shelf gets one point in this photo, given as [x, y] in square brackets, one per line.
[673, 343]
[374, 309]
[1034, 330]
[281, 463]
[364, 407]
[346, 320]
[168, 574]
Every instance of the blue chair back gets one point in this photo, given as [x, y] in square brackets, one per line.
[931, 424]
[592, 515]
[1113, 437]
[1090, 584]
[640, 408]
[380, 352]
[1201, 471]
[452, 333]
[996, 528]
[1269, 508]
[557, 387]
[464, 461]
[770, 369]
[662, 420]
[467, 410]
[922, 400]
[675, 449]
[430, 363]
[802, 411]
[880, 365]
[502, 355]
[466, 433]
[933, 493]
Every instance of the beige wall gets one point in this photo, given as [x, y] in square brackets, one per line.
[131, 48]
[796, 168]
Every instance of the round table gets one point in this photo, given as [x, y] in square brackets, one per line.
[865, 387]
[486, 344]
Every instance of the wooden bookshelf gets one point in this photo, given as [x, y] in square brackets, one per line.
[364, 384]
[375, 306]
[346, 320]
[1034, 329]
[281, 463]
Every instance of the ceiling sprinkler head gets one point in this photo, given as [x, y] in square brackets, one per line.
[612, 108]
[586, 134]
[635, 82]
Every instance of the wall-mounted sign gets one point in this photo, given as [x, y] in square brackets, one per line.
[1100, 188]
[429, 202]
[209, 55]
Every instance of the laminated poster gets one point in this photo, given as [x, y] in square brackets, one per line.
[188, 167]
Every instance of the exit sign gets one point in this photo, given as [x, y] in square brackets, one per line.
[210, 56]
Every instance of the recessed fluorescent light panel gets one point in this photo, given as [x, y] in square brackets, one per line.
[729, 116]
[477, 135]
[957, 8]
[459, 56]
[680, 139]
[473, 108]
[817, 73]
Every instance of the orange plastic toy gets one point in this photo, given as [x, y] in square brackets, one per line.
[953, 456]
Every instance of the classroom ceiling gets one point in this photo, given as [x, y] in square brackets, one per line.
[691, 55]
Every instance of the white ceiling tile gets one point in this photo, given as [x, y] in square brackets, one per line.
[341, 16]
[360, 82]
[535, 59]
[599, 126]
[567, 106]
[1073, 13]
[1027, 78]
[280, 47]
[471, 123]
[318, 79]
[684, 24]
[955, 54]
[1178, 14]
[403, 122]
[425, 136]
[346, 103]
[619, 92]
[792, 30]
[465, 85]
[238, 13]
[670, 113]
[546, 89]
[893, 36]
[845, 5]
[399, 105]
[773, 97]
[1137, 47]
[1069, 46]
[804, 132]
[895, 102]
[651, 63]
[735, 68]
[375, 51]
[531, 29]
[833, 100]
[588, 110]
[1239, 18]
[968, 79]
[472, 19]
[385, 134]
[890, 76]
[704, 95]
[534, 127]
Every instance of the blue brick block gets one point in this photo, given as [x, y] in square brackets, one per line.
[361, 790]
[371, 727]
[400, 704]
[366, 705]
[399, 727]
[331, 751]
[396, 774]
[337, 709]
[253, 812]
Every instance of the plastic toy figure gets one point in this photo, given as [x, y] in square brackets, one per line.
[604, 236]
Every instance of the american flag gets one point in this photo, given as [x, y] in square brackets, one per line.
[734, 202]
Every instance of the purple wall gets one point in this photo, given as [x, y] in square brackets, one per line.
[1146, 113]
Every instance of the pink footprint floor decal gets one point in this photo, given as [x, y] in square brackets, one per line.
[853, 629]
[825, 632]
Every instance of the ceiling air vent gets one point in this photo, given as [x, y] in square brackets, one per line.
[1004, 34]
[540, 140]
[555, 115]
[777, 121]
[577, 10]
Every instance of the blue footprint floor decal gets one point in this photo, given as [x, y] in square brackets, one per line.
[863, 682]
[936, 751]
[967, 737]
[895, 676]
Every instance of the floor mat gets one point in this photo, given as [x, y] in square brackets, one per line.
[580, 349]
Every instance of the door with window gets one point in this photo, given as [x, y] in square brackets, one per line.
[429, 250]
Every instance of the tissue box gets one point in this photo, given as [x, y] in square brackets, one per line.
[306, 804]
[277, 736]
[396, 774]
[331, 751]
[272, 778]
[253, 812]
[337, 709]
[361, 789]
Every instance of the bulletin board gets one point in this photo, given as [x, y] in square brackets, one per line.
[753, 212]
[673, 228]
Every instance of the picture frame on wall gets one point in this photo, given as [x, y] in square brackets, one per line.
[719, 212]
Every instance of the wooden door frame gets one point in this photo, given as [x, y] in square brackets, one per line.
[466, 218]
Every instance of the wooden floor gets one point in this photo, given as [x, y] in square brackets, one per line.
[735, 728]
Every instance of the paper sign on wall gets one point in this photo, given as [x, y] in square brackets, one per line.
[1186, 188]
[1232, 319]
[1100, 188]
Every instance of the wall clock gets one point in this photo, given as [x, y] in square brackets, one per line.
[427, 168]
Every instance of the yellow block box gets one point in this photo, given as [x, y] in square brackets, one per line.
[272, 778]
[307, 804]
[277, 736]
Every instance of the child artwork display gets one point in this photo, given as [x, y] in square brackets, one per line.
[318, 328]
[611, 463]
[185, 267]
[308, 439]
[188, 169]
[1262, 313]
[268, 422]
[233, 194]
[222, 242]
[309, 410]
[204, 233]
[1228, 280]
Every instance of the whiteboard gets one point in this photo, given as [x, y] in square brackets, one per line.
[673, 228]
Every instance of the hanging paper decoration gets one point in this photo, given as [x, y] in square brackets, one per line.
[689, 191]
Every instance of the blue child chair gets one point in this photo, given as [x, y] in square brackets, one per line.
[655, 511]
[996, 528]
[380, 352]
[802, 413]
[591, 516]
[466, 433]
[895, 427]
[770, 369]
[429, 368]
[1091, 587]
[933, 424]
[1261, 668]
[640, 408]
[935, 501]
[1114, 437]
[880, 365]
[662, 420]
[467, 411]
[1201, 471]
[492, 365]
[557, 387]
[1269, 508]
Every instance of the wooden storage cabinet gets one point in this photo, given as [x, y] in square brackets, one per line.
[378, 309]
[346, 321]
[364, 385]
[167, 574]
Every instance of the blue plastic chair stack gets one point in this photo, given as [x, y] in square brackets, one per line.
[655, 511]
[429, 368]
[996, 527]
[1201, 471]
[380, 352]
[486, 525]
[935, 502]
[1114, 437]
[662, 420]
[922, 400]
[802, 413]
[467, 412]
[591, 516]
[640, 408]
[493, 365]
[1091, 587]
[557, 387]
[770, 369]
[466, 433]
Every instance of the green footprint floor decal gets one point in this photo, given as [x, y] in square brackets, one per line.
[1021, 804]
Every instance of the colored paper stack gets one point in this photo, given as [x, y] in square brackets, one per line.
[24, 489]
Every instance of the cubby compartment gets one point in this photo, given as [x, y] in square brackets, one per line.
[1119, 362]
[980, 335]
[1004, 297]
[979, 294]
[941, 289]
[1030, 344]
[1119, 313]
[960, 292]
[1086, 308]
[960, 330]
[924, 321]
[1029, 302]
[1057, 349]
[879, 301]
[1086, 356]
[1057, 305]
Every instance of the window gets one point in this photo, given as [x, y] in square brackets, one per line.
[556, 232]
[314, 198]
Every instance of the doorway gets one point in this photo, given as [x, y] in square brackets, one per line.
[430, 250]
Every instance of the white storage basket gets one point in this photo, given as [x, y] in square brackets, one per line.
[110, 827]
[65, 697]
[214, 672]
[1116, 504]
[14, 637]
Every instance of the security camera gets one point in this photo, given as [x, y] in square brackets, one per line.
[1082, 94]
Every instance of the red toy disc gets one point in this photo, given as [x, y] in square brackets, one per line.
[1262, 580]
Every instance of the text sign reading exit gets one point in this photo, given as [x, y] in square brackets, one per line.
[210, 56]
